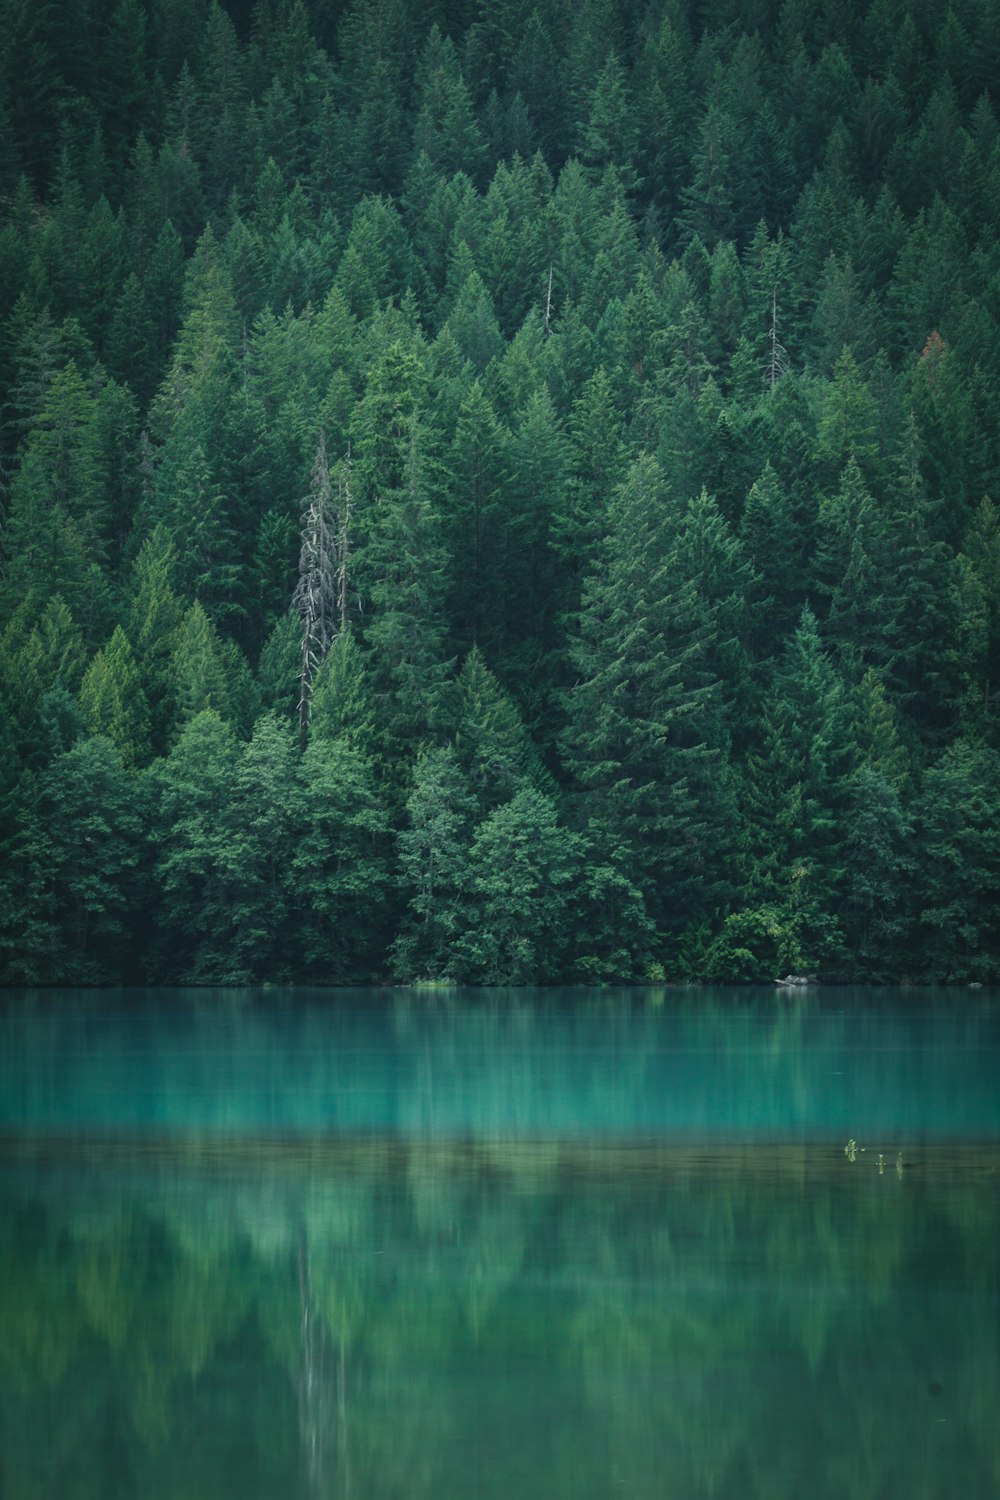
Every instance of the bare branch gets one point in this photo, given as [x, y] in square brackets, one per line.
[776, 363]
[320, 595]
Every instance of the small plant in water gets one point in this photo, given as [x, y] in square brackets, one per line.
[851, 1152]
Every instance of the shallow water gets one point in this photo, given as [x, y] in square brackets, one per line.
[512, 1244]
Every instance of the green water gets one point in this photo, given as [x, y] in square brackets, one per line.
[513, 1245]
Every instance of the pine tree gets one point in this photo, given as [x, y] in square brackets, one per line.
[609, 136]
[400, 560]
[877, 731]
[151, 624]
[664, 107]
[529, 601]
[339, 870]
[879, 868]
[848, 425]
[446, 130]
[198, 675]
[132, 340]
[845, 317]
[473, 324]
[959, 864]
[433, 851]
[278, 670]
[726, 299]
[774, 548]
[162, 281]
[191, 503]
[27, 933]
[979, 564]
[850, 542]
[489, 736]
[800, 796]
[597, 467]
[196, 853]
[521, 865]
[262, 809]
[91, 831]
[766, 272]
[271, 567]
[708, 553]
[59, 518]
[942, 413]
[477, 469]
[916, 575]
[341, 701]
[709, 209]
[42, 648]
[644, 740]
[112, 700]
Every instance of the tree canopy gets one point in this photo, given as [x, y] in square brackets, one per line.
[498, 494]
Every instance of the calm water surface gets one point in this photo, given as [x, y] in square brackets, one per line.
[520, 1245]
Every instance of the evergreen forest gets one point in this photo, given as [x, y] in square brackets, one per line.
[499, 491]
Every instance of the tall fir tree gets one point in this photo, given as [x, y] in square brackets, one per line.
[645, 739]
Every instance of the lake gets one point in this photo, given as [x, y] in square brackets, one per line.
[671, 1243]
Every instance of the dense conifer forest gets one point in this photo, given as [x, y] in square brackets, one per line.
[499, 491]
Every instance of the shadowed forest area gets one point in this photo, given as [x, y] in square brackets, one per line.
[499, 492]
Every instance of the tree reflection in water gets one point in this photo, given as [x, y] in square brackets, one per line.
[528, 1246]
[581, 1320]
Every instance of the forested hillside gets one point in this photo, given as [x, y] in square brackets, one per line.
[499, 491]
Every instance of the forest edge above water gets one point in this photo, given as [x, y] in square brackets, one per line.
[499, 496]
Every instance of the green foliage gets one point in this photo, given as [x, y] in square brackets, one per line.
[280, 665]
[754, 947]
[198, 676]
[400, 567]
[958, 839]
[41, 648]
[655, 355]
[521, 864]
[112, 701]
[646, 739]
[152, 621]
[195, 863]
[434, 853]
[612, 936]
[341, 705]
[27, 934]
[879, 868]
[800, 793]
[90, 831]
[339, 872]
[261, 812]
[490, 739]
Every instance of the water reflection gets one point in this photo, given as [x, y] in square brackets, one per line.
[469, 1293]
[742, 1064]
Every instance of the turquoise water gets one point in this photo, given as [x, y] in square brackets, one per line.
[522, 1244]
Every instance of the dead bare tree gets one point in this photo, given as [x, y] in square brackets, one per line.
[342, 533]
[321, 595]
[777, 359]
[315, 1393]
